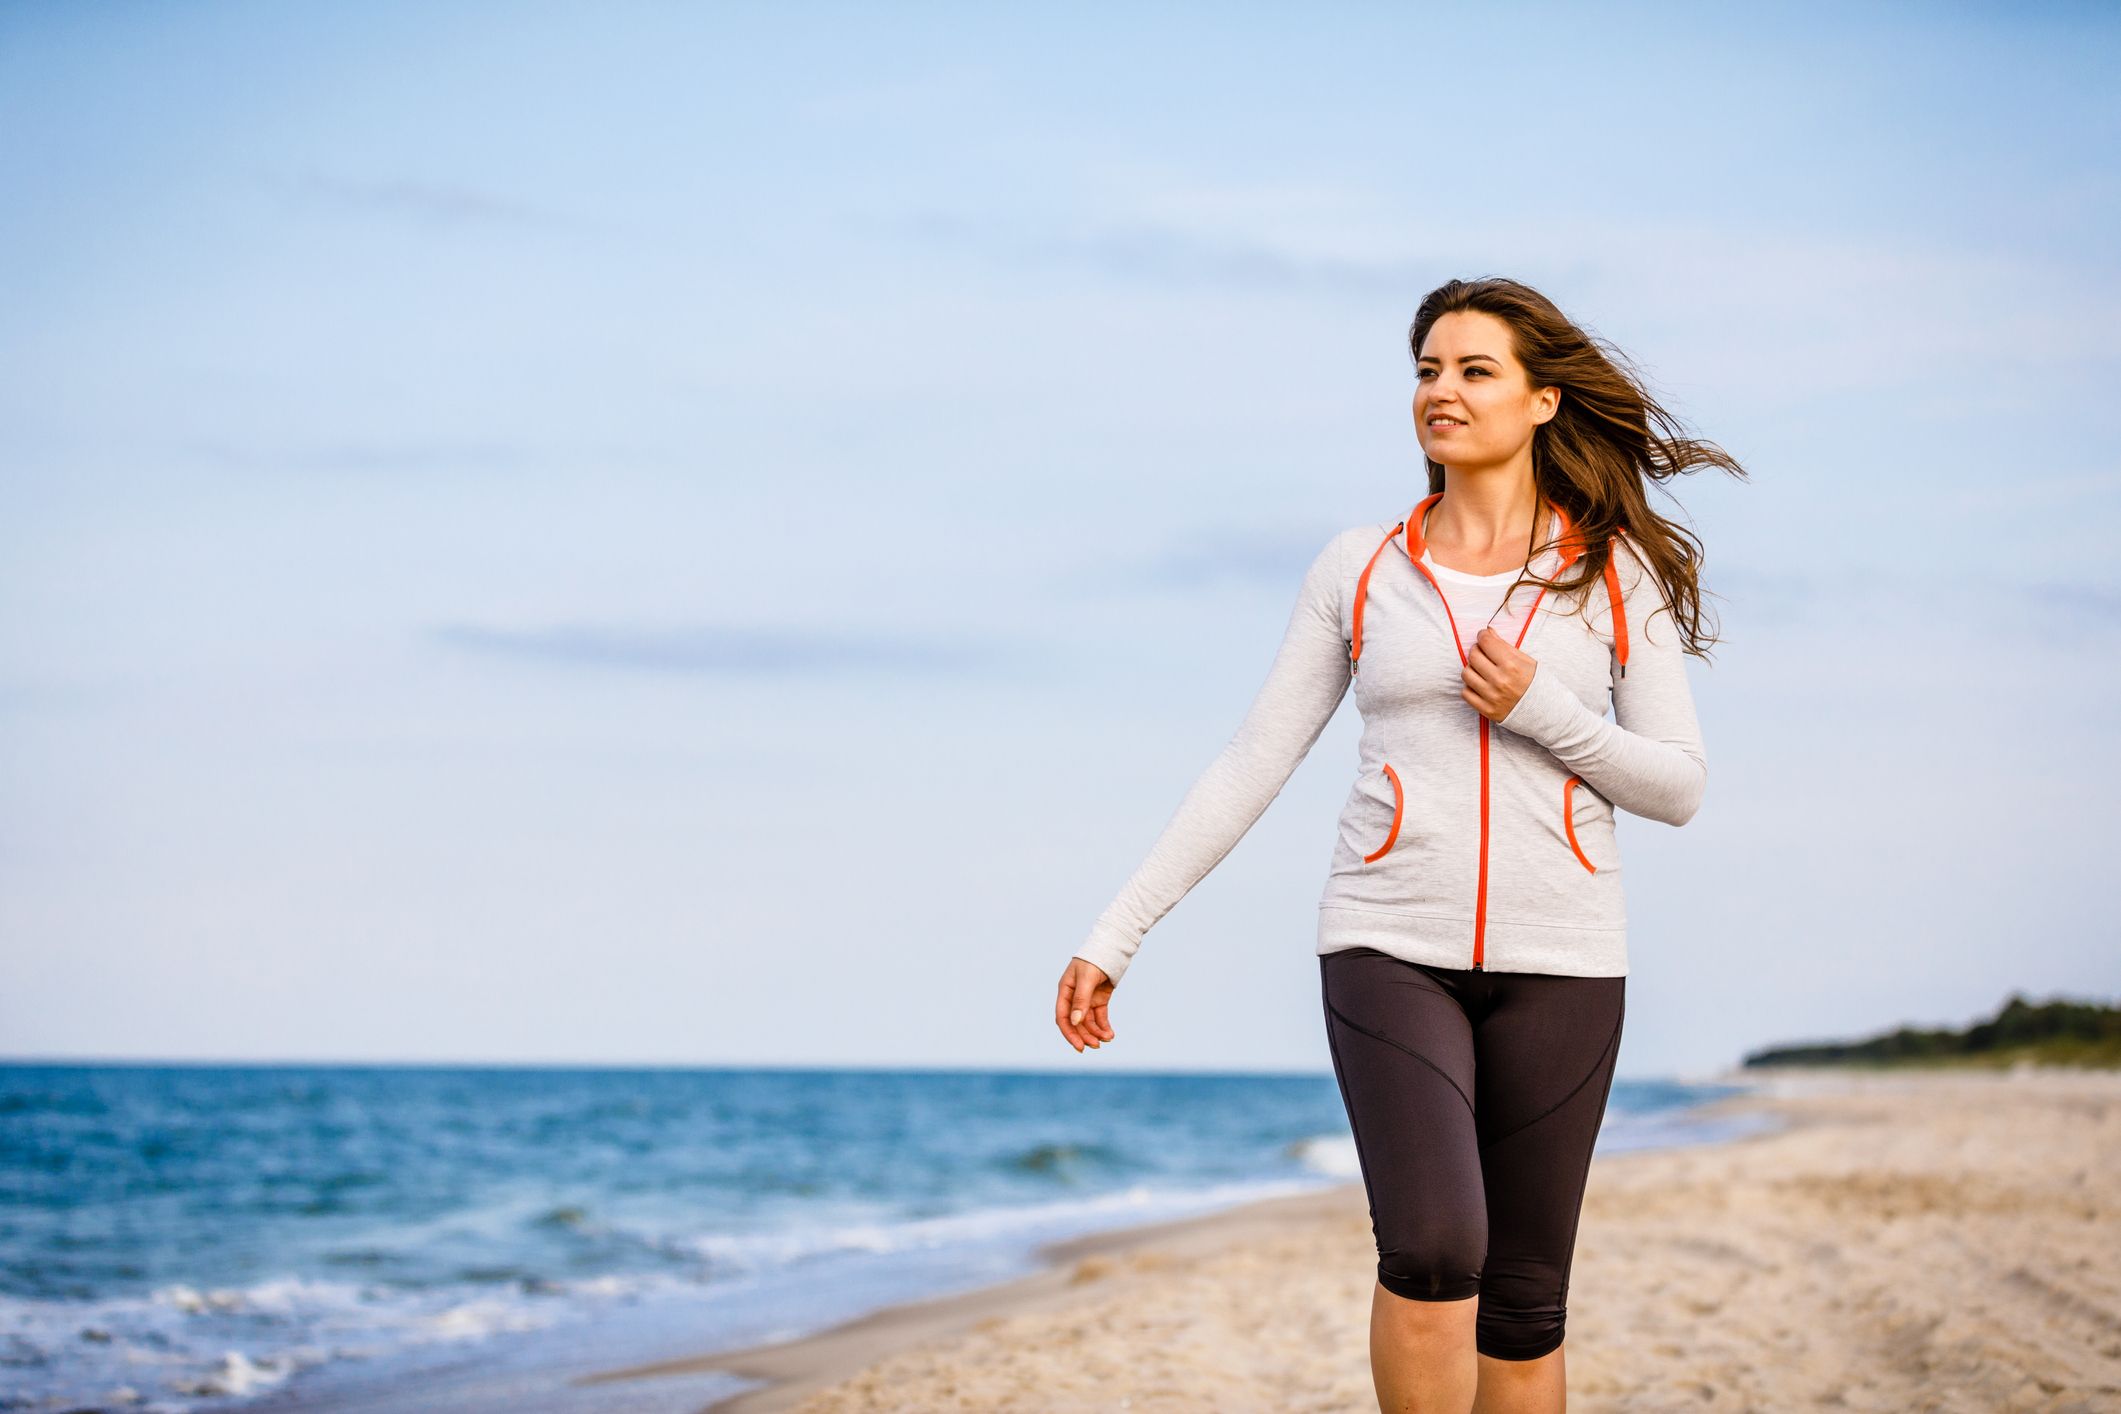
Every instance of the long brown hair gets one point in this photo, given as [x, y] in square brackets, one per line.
[1592, 457]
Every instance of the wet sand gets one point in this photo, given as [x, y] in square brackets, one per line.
[1910, 1241]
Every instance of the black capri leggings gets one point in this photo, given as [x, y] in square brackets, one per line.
[1475, 1098]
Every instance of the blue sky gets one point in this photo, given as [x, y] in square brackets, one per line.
[721, 534]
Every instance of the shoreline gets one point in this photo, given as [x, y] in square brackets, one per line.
[797, 1368]
[1901, 1239]
[794, 1370]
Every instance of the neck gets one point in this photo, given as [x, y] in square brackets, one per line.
[1481, 515]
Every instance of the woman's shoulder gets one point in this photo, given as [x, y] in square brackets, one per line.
[1359, 542]
[1341, 559]
[1338, 563]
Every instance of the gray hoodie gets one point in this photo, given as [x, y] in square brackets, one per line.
[1462, 843]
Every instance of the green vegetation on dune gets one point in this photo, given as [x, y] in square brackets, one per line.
[2058, 1032]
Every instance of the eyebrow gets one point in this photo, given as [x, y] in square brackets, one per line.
[1462, 358]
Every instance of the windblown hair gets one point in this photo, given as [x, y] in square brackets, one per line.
[1592, 457]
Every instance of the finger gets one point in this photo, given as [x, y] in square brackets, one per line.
[1099, 1011]
[1101, 1015]
[1082, 1005]
[1483, 662]
[1071, 996]
[1481, 680]
[1062, 1005]
[1496, 651]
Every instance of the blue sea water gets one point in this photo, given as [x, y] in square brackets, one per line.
[200, 1238]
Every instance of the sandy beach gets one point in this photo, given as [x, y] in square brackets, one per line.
[1910, 1241]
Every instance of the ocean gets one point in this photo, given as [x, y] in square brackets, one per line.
[193, 1238]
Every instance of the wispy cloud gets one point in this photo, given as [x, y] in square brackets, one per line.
[2047, 611]
[1170, 259]
[722, 651]
[929, 93]
[368, 456]
[429, 203]
[2086, 606]
[1882, 310]
[1274, 559]
[2030, 487]
[21, 694]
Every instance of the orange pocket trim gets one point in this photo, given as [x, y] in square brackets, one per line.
[1399, 804]
[1568, 820]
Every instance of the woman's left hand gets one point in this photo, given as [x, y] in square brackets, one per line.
[1496, 675]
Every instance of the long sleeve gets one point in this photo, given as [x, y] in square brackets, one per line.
[1303, 688]
[1649, 760]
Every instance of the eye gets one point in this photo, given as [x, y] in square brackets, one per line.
[1476, 368]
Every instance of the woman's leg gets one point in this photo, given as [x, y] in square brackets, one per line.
[1545, 1049]
[1402, 1048]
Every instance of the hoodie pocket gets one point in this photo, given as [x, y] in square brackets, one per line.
[1399, 806]
[1568, 820]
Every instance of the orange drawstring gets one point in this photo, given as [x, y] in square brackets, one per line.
[1620, 614]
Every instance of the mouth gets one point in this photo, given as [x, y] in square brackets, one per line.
[1440, 421]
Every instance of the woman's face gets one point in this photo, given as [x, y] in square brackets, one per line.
[1473, 405]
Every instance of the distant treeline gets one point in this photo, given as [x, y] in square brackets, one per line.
[2050, 1033]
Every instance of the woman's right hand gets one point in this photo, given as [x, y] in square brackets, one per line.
[1082, 1011]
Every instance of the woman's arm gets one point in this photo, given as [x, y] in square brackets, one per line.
[1305, 685]
[1649, 760]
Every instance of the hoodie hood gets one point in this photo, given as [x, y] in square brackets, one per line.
[1571, 544]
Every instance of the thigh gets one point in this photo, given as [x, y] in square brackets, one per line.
[1545, 1051]
[1402, 1049]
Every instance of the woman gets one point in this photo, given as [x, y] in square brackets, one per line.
[1472, 937]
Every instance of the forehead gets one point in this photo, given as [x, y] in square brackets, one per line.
[1466, 334]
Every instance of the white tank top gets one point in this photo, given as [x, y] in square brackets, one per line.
[1474, 597]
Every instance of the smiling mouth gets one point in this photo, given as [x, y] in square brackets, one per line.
[1445, 422]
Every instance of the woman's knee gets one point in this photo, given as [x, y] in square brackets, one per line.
[1518, 1330]
[1437, 1262]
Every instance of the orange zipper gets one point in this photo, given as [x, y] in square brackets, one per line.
[1480, 899]
[1571, 546]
